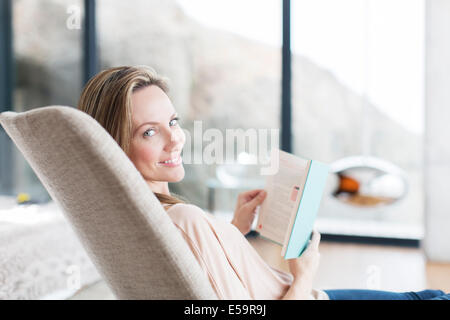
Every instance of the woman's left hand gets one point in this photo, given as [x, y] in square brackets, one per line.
[245, 211]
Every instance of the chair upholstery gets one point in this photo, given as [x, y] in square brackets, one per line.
[121, 224]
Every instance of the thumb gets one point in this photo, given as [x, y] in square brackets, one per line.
[315, 239]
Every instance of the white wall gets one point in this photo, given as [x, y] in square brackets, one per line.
[437, 131]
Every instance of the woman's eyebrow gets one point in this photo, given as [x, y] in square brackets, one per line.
[150, 122]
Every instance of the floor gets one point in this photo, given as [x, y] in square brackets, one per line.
[357, 266]
[365, 266]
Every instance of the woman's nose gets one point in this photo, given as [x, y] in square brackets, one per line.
[174, 138]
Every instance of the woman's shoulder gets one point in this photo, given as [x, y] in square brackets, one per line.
[183, 207]
[185, 213]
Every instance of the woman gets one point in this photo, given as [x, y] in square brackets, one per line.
[131, 103]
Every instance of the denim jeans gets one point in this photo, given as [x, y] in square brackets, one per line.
[357, 294]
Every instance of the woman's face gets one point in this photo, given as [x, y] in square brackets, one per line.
[156, 136]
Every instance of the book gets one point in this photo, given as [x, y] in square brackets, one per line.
[294, 193]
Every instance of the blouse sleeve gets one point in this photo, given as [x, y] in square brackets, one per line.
[206, 247]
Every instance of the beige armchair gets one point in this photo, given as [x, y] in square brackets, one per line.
[119, 221]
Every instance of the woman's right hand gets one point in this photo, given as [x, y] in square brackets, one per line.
[304, 270]
[308, 263]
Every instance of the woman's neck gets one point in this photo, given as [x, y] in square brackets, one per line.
[159, 187]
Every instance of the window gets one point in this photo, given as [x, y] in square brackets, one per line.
[358, 91]
[47, 51]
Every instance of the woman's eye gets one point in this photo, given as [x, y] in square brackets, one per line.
[175, 119]
[147, 133]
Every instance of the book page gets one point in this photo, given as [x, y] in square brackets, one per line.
[283, 190]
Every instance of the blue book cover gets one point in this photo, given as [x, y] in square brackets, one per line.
[294, 193]
[307, 210]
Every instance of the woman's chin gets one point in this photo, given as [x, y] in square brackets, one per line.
[177, 176]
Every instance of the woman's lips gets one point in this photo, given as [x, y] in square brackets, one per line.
[176, 163]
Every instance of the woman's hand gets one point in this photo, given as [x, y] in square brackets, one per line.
[245, 211]
[304, 270]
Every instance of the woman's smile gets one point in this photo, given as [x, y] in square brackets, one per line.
[171, 163]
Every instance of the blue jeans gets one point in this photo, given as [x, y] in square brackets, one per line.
[357, 294]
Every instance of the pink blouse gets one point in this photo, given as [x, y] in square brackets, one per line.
[233, 267]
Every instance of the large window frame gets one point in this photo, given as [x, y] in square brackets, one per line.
[6, 94]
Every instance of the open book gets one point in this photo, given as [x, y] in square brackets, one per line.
[294, 192]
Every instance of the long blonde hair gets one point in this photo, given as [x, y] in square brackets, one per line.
[107, 98]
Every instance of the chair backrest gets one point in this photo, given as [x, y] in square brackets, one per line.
[126, 232]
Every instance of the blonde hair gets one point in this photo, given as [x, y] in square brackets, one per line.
[107, 98]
